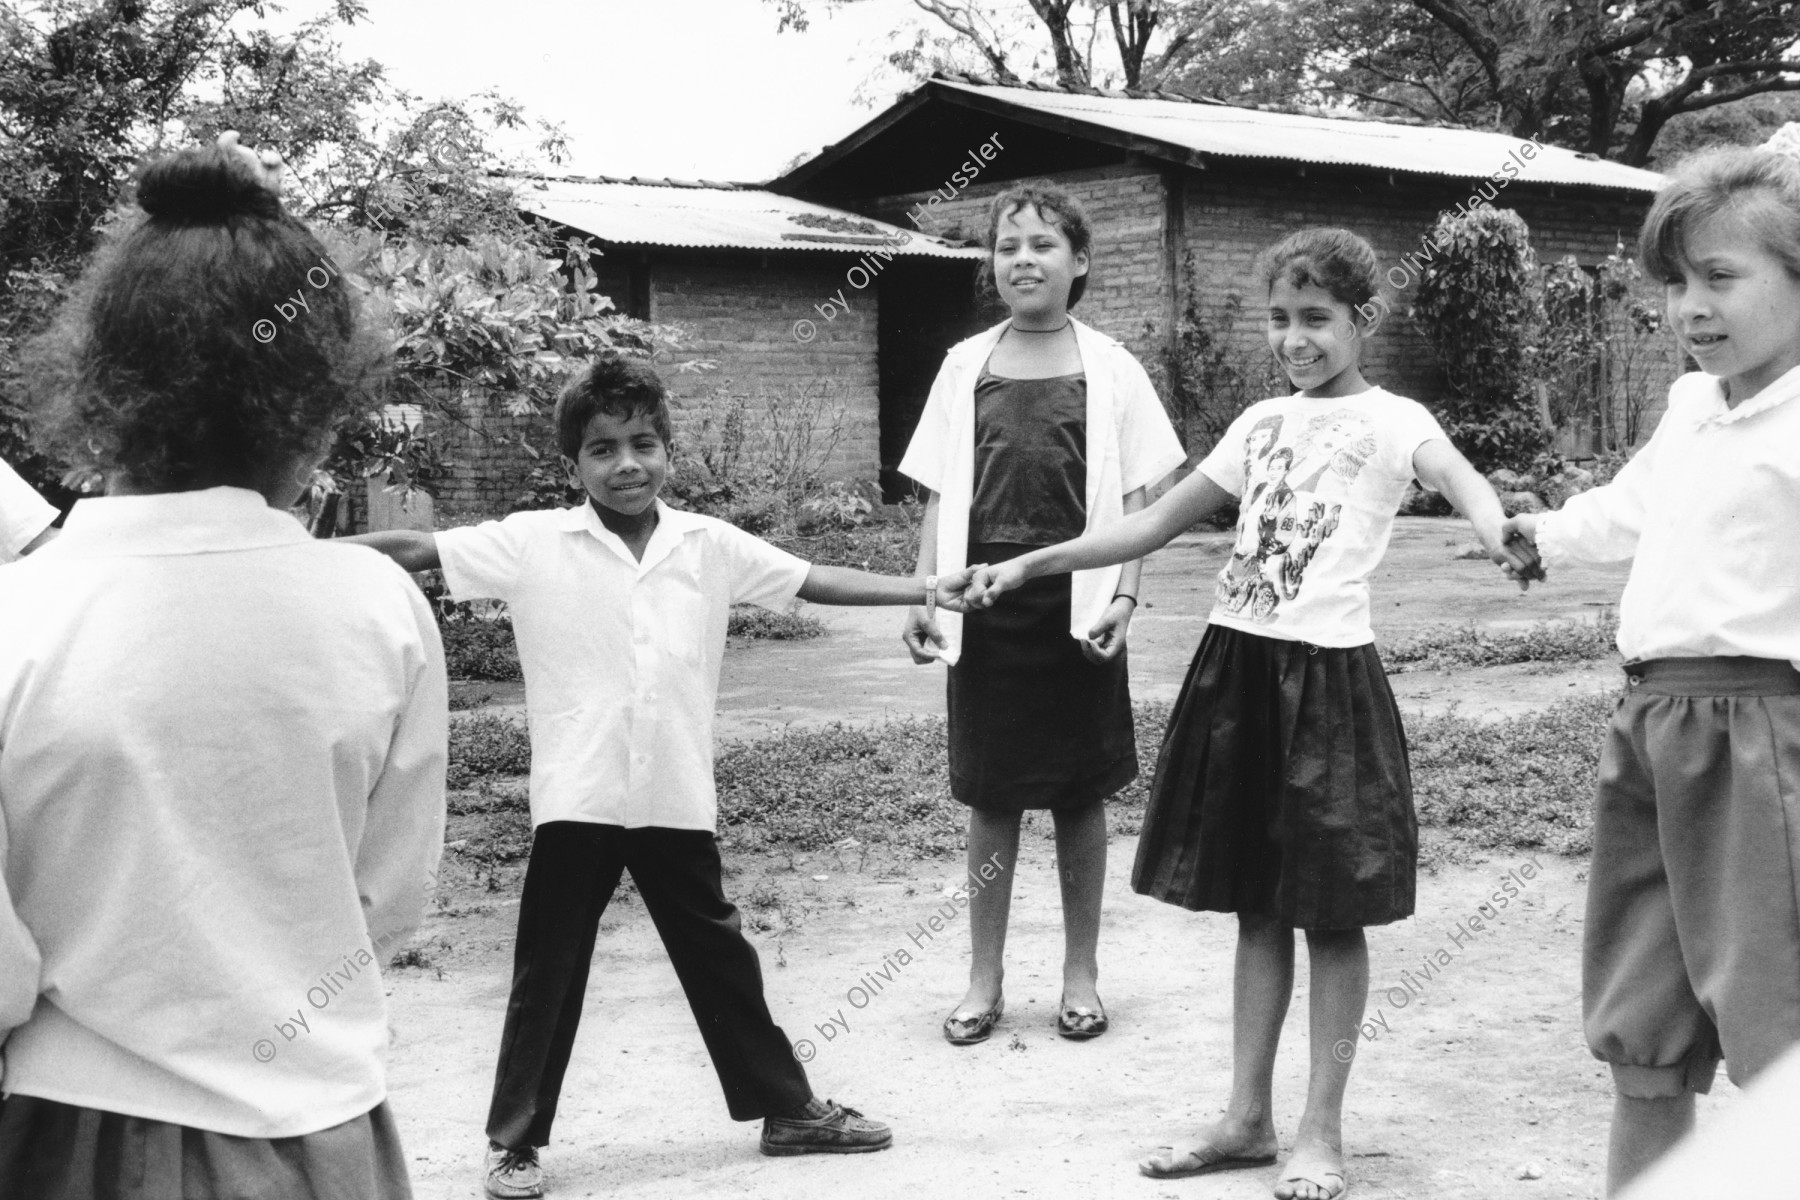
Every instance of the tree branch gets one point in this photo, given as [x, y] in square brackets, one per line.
[1457, 19]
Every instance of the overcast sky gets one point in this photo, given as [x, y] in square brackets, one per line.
[679, 88]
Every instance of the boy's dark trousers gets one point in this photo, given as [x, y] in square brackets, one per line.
[574, 867]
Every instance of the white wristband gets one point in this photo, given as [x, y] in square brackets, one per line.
[931, 597]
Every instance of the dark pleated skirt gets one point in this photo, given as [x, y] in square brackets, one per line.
[55, 1151]
[1282, 788]
[1033, 723]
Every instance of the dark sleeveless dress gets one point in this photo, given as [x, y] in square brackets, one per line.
[1033, 724]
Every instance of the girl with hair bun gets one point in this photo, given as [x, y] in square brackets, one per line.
[1282, 793]
[222, 743]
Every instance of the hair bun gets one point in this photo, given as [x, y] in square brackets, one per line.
[207, 185]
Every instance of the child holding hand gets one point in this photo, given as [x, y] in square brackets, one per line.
[1282, 791]
[1692, 945]
[1036, 430]
[222, 742]
[620, 608]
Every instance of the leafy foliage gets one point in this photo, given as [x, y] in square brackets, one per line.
[1479, 304]
[1471, 646]
[1602, 348]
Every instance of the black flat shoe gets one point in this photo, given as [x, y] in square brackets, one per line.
[1080, 1024]
[966, 1031]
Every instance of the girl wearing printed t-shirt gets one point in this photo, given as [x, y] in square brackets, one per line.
[1282, 792]
[1035, 431]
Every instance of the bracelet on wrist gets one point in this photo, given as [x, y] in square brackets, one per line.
[1127, 596]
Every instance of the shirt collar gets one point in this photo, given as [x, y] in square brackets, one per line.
[1717, 412]
[672, 525]
[209, 521]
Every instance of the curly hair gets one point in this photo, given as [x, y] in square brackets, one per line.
[209, 341]
[1759, 187]
[614, 384]
[1056, 207]
[1336, 260]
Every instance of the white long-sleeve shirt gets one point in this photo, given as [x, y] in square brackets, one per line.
[1709, 512]
[222, 753]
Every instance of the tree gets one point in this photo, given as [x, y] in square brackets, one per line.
[1600, 76]
[1605, 77]
[416, 202]
[992, 39]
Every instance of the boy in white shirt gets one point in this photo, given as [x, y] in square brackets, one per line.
[25, 516]
[620, 609]
[1692, 950]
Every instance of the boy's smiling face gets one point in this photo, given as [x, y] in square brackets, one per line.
[622, 464]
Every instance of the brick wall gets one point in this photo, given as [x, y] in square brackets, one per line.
[740, 312]
[1126, 279]
[1231, 215]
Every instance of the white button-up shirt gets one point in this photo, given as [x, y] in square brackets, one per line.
[23, 514]
[621, 658]
[222, 782]
[1708, 511]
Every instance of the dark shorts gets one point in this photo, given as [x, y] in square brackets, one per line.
[1282, 788]
[1033, 723]
[55, 1151]
[1691, 951]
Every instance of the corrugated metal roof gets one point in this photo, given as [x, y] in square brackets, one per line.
[1224, 129]
[733, 216]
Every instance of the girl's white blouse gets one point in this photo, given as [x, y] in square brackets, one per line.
[1130, 445]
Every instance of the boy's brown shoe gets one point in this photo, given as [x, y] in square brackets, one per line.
[513, 1174]
[840, 1131]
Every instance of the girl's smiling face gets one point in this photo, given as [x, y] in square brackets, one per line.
[1034, 265]
[1736, 307]
[1316, 338]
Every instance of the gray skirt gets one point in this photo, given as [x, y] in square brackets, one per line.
[55, 1151]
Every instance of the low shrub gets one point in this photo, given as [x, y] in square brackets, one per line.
[485, 744]
[1521, 784]
[480, 649]
[1471, 646]
[755, 621]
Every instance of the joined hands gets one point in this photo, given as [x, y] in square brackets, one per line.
[1514, 550]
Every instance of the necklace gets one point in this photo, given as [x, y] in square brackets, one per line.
[1058, 329]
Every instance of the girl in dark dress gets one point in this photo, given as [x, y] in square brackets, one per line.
[1036, 431]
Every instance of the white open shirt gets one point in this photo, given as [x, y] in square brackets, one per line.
[621, 658]
[222, 779]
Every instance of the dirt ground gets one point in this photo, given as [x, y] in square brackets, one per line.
[1479, 1083]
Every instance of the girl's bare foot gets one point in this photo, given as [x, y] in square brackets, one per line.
[1314, 1171]
[1228, 1144]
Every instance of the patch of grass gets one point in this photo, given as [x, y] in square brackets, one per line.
[887, 544]
[1521, 784]
[1469, 646]
[754, 621]
[881, 784]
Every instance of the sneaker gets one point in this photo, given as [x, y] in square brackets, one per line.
[840, 1131]
[514, 1174]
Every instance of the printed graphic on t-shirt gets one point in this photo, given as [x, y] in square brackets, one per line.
[1294, 494]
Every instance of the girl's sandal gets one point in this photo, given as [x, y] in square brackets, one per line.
[967, 1031]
